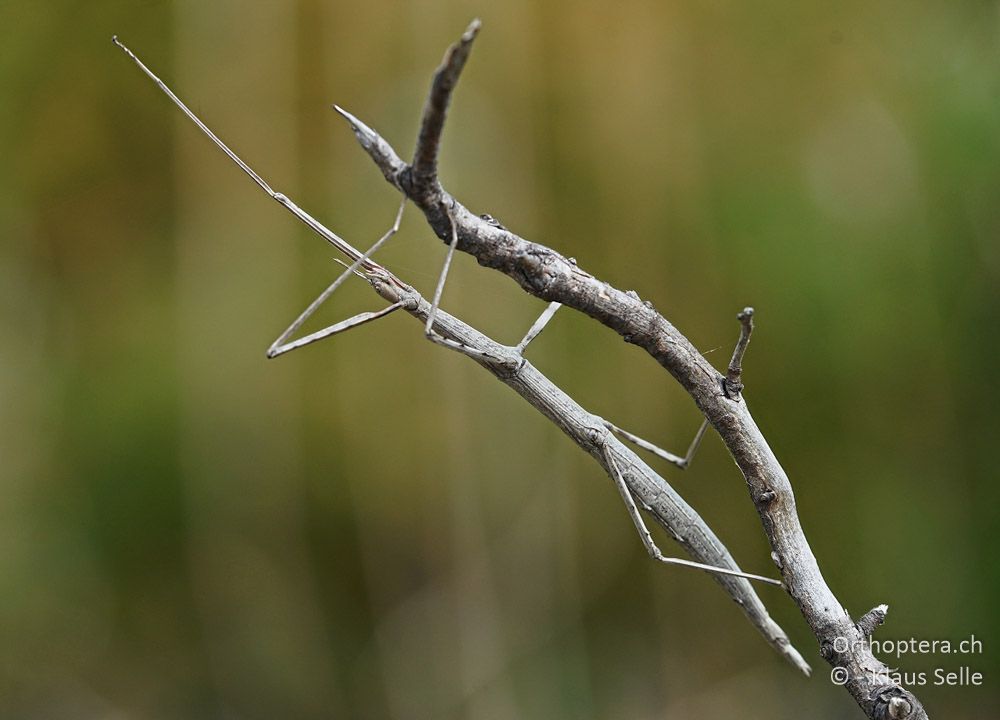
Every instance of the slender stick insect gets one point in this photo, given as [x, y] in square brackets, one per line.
[362, 265]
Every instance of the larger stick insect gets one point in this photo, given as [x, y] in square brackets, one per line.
[361, 264]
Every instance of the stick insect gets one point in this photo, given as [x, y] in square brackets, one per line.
[362, 265]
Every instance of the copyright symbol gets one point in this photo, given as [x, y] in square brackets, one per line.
[839, 676]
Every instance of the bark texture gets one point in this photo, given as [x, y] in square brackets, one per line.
[550, 276]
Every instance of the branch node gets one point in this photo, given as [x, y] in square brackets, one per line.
[867, 623]
[490, 220]
[899, 708]
[732, 386]
[894, 703]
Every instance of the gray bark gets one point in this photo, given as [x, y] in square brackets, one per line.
[550, 276]
[590, 432]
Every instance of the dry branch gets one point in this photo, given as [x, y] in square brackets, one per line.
[550, 276]
[508, 364]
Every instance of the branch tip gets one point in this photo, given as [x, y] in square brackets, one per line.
[365, 134]
[470, 32]
[391, 165]
[733, 385]
[425, 156]
[868, 622]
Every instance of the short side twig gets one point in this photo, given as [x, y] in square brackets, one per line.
[868, 622]
[392, 166]
[733, 383]
[425, 157]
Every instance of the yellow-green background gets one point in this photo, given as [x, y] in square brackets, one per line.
[375, 528]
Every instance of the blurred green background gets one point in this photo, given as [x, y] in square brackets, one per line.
[373, 527]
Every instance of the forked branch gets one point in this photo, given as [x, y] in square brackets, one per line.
[509, 365]
[552, 277]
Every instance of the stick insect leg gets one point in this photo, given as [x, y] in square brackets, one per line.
[281, 344]
[647, 539]
[539, 325]
[429, 331]
[681, 462]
